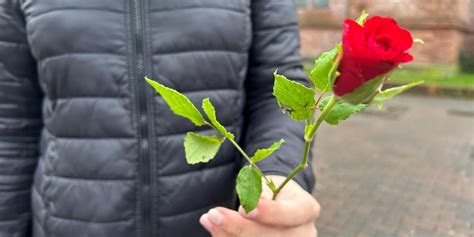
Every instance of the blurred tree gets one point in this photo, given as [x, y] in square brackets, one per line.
[466, 56]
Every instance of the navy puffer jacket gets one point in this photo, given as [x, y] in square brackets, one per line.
[87, 149]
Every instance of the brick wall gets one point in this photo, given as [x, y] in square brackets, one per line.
[416, 10]
[315, 41]
[441, 46]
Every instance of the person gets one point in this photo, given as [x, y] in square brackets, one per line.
[88, 149]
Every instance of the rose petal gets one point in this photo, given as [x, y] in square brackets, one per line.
[351, 76]
[369, 51]
[405, 58]
[404, 39]
[377, 24]
[353, 38]
[372, 69]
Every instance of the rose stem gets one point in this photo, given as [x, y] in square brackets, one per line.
[237, 146]
[308, 139]
[268, 181]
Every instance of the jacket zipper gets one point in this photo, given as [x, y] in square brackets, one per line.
[143, 138]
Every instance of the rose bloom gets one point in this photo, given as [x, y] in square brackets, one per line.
[370, 51]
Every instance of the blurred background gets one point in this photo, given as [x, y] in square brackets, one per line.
[408, 169]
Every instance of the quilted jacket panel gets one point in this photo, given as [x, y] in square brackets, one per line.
[85, 152]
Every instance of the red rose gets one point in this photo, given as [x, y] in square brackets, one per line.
[370, 51]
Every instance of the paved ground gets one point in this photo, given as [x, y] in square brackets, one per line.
[407, 170]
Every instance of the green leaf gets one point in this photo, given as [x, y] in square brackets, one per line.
[392, 92]
[249, 188]
[179, 103]
[261, 154]
[294, 98]
[341, 111]
[322, 67]
[200, 148]
[362, 18]
[211, 114]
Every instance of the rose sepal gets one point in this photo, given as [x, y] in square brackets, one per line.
[365, 92]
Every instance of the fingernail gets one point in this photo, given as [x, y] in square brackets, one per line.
[249, 215]
[215, 217]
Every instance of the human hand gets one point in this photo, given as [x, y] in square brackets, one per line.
[292, 214]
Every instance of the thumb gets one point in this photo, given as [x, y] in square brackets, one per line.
[287, 213]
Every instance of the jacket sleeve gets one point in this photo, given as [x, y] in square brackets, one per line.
[20, 122]
[275, 45]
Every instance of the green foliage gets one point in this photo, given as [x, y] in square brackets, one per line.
[200, 148]
[294, 98]
[261, 154]
[341, 110]
[249, 188]
[392, 92]
[439, 76]
[320, 72]
[362, 18]
[466, 61]
[211, 115]
[179, 103]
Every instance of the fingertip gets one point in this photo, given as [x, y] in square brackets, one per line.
[215, 217]
[317, 208]
[204, 221]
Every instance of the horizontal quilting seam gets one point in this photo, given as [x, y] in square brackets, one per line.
[16, 205]
[26, 176]
[13, 221]
[279, 27]
[79, 54]
[220, 166]
[88, 179]
[23, 189]
[93, 97]
[206, 90]
[20, 138]
[75, 9]
[93, 138]
[15, 158]
[196, 130]
[195, 210]
[88, 221]
[192, 51]
[13, 44]
[167, 10]
[282, 67]
[13, 118]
